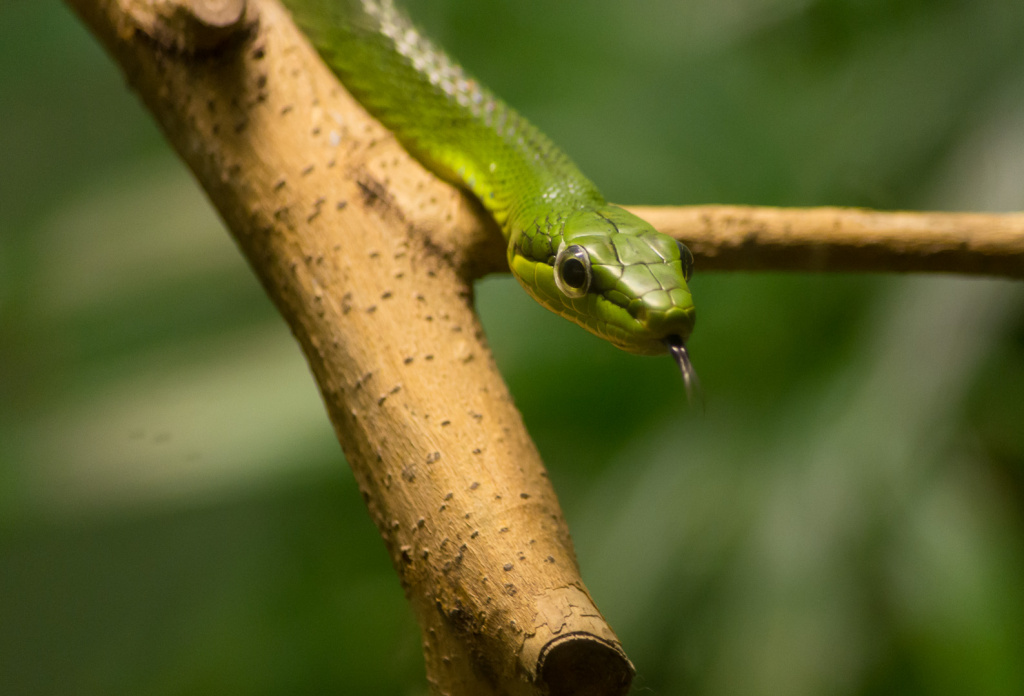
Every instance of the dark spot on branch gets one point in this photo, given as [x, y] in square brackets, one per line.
[375, 194]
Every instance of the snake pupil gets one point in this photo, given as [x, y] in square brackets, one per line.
[573, 273]
[686, 257]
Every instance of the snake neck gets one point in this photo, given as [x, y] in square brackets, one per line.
[444, 117]
[594, 264]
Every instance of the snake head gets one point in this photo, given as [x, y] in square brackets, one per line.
[611, 273]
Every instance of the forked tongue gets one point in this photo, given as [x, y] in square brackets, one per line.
[690, 382]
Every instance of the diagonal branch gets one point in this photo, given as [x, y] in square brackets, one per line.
[369, 258]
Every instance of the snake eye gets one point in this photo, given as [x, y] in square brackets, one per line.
[572, 271]
[687, 258]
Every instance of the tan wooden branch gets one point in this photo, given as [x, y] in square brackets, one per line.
[370, 259]
[845, 239]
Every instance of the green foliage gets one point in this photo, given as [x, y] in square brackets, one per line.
[844, 517]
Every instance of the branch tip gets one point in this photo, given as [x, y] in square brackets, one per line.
[572, 650]
[188, 26]
[581, 664]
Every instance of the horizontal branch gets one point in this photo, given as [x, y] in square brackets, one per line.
[733, 238]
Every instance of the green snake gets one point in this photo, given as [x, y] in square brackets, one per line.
[591, 262]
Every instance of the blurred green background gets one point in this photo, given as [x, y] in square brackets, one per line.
[847, 516]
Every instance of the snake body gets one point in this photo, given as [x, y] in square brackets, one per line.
[594, 263]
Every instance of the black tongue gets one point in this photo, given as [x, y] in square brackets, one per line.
[690, 382]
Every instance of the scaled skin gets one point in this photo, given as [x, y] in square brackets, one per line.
[637, 296]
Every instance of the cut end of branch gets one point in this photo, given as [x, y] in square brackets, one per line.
[217, 13]
[582, 664]
[572, 650]
[188, 26]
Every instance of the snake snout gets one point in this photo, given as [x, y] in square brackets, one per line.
[674, 323]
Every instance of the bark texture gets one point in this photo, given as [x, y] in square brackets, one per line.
[845, 239]
[369, 258]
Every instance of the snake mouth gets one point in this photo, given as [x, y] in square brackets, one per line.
[677, 347]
